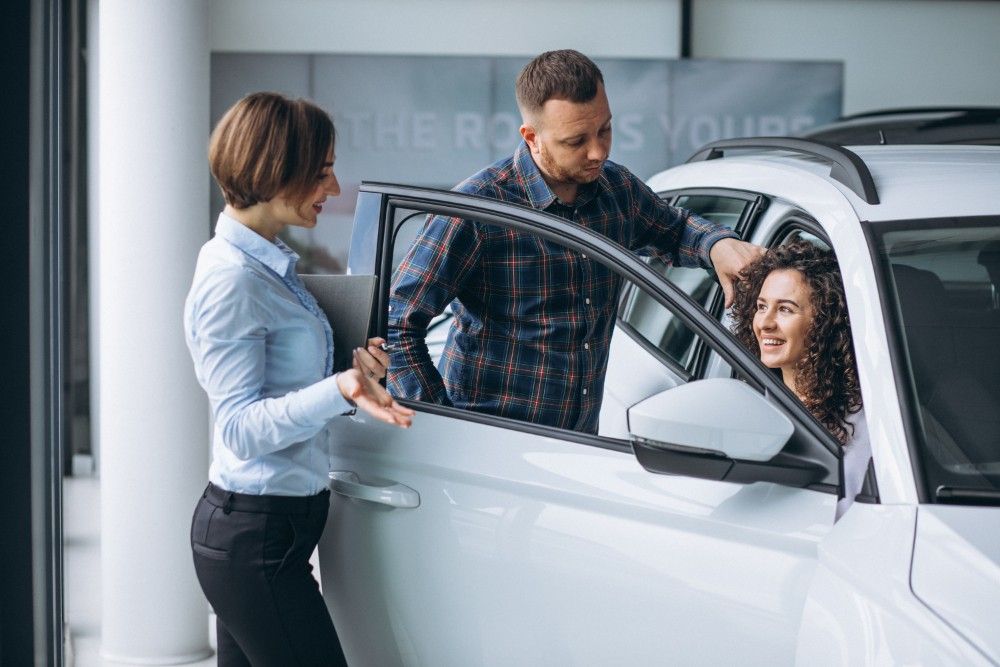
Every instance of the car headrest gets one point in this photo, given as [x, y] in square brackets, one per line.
[989, 258]
[921, 296]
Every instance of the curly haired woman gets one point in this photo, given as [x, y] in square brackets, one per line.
[789, 307]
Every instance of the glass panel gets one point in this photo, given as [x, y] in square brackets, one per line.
[724, 211]
[524, 331]
[945, 276]
[405, 228]
[408, 224]
[802, 235]
[659, 327]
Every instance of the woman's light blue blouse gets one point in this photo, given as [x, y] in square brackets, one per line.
[263, 351]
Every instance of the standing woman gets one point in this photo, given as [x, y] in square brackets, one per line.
[789, 307]
[263, 351]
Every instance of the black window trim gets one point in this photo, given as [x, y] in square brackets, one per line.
[601, 249]
[744, 228]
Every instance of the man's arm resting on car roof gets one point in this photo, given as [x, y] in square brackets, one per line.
[685, 239]
[676, 234]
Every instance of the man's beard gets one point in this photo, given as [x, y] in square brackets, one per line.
[562, 175]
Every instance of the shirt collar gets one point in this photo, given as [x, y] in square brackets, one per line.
[276, 256]
[539, 193]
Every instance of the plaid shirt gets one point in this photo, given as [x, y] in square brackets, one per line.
[533, 320]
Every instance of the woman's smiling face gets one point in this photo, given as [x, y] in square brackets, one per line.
[782, 320]
[305, 212]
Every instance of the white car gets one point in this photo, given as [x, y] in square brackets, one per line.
[698, 527]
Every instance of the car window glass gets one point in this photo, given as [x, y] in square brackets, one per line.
[561, 336]
[945, 279]
[794, 234]
[725, 211]
[408, 224]
[406, 227]
[661, 329]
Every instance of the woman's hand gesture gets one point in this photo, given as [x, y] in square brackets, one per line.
[370, 396]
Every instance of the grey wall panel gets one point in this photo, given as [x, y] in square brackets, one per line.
[435, 120]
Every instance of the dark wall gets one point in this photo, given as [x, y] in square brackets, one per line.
[16, 595]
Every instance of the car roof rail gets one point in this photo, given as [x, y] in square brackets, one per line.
[847, 167]
[904, 111]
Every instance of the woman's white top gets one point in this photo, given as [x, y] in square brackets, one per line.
[263, 351]
[857, 454]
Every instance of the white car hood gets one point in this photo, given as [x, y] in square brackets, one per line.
[956, 570]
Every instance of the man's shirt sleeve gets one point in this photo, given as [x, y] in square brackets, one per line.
[430, 276]
[678, 235]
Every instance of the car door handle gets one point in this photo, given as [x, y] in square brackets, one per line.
[347, 483]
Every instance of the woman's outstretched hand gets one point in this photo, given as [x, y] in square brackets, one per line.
[372, 397]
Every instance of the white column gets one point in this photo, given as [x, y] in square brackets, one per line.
[153, 96]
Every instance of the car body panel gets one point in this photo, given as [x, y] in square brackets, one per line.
[630, 378]
[929, 181]
[860, 608]
[913, 181]
[956, 570]
[511, 527]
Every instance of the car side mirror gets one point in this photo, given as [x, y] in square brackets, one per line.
[718, 429]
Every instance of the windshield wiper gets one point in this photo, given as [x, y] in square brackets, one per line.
[958, 495]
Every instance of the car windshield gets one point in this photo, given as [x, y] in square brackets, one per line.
[944, 278]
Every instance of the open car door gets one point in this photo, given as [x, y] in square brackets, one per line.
[471, 539]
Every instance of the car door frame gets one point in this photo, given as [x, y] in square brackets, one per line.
[371, 244]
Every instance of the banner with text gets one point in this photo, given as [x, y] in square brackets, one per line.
[434, 120]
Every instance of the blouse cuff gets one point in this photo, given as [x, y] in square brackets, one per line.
[322, 401]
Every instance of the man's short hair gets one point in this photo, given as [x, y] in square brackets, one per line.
[268, 144]
[557, 75]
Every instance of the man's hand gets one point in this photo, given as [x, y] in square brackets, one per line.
[372, 361]
[729, 256]
[372, 397]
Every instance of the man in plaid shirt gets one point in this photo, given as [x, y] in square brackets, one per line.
[533, 320]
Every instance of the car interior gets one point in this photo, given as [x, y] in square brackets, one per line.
[951, 332]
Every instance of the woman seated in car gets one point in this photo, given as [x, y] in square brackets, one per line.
[789, 306]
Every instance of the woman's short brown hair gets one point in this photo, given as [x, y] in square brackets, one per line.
[268, 144]
[557, 75]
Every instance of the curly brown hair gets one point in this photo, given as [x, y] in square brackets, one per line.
[828, 374]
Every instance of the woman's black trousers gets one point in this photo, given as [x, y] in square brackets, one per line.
[251, 554]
